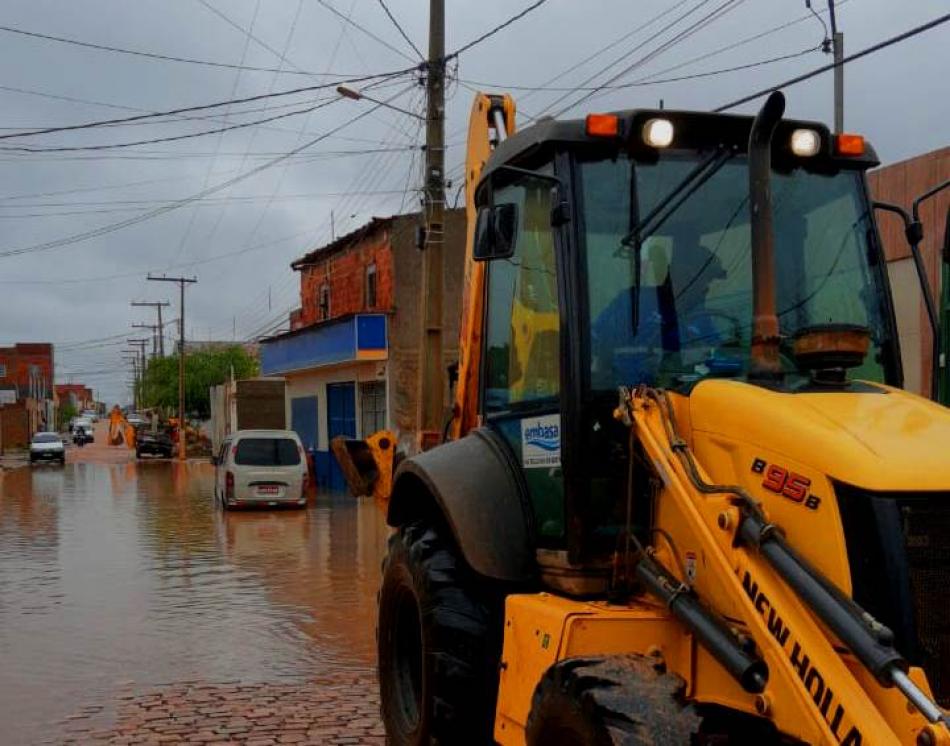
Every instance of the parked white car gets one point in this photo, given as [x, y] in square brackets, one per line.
[261, 467]
[47, 447]
[87, 428]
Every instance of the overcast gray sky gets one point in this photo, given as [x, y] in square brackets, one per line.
[239, 240]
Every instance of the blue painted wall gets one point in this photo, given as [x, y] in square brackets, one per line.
[334, 342]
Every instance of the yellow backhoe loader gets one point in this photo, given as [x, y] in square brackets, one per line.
[683, 498]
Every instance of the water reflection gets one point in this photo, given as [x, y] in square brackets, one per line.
[129, 572]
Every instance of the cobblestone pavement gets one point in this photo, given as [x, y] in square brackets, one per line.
[341, 710]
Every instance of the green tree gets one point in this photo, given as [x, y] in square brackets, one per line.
[203, 369]
[66, 412]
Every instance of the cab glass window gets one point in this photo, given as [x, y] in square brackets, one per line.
[522, 324]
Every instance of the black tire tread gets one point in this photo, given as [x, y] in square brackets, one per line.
[461, 624]
[624, 700]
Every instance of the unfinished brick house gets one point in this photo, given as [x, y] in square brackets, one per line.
[351, 357]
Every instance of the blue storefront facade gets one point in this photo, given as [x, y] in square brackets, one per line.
[336, 374]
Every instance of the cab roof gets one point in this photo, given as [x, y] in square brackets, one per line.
[694, 130]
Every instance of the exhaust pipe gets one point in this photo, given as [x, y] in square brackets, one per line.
[765, 335]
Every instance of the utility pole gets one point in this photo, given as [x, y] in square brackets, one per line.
[182, 281]
[155, 331]
[157, 305]
[134, 361]
[837, 40]
[140, 354]
[431, 378]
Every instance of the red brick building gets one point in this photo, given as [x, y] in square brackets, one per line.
[26, 392]
[81, 397]
[901, 183]
[352, 355]
[28, 368]
[353, 274]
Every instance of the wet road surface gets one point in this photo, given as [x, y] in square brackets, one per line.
[125, 594]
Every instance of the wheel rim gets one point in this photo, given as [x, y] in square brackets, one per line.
[407, 660]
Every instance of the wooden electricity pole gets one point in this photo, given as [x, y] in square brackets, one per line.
[431, 373]
[157, 305]
[140, 354]
[182, 281]
[154, 329]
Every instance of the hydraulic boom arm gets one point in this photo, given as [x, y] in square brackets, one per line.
[827, 660]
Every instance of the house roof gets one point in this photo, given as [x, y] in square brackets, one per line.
[345, 242]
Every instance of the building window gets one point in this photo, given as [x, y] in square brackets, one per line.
[371, 286]
[372, 407]
[3, 370]
[324, 302]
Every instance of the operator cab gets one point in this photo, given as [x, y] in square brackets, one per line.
[619, 253]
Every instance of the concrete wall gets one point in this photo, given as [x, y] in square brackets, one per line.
[314, 383]
[405, 329]
[906, 293]
[260, 404]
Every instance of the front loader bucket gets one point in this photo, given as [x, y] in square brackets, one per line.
[367, 465]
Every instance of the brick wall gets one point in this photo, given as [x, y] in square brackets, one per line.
[14, 426]
[19, 359]
[900, 183]
[75, 393]
[345, 272]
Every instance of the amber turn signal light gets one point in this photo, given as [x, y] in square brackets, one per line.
[846, 144]
[603, 125]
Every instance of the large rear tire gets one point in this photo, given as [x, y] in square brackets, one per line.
[610, 701]
[438, 643]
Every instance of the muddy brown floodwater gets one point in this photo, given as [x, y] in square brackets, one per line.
[118, 578]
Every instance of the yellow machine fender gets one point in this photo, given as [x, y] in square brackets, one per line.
[473, 486]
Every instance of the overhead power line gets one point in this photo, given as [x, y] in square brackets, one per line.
[350, 22]
[711, 17]
[201, 107]
[154, 55]
[491, 32]
[649, 79]
[112, 227]
[169, 138]
[849, 58]
[400, 29]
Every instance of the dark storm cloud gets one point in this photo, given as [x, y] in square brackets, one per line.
[897, 98]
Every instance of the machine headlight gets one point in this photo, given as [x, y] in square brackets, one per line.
[658, 133]
[805, 143]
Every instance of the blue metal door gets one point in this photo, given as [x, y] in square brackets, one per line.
[303, 420]
[341, 420]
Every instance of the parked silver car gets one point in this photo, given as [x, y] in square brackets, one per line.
[47, 447]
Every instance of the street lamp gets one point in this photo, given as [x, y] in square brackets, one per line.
[358, 96]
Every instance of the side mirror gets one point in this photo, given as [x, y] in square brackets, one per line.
[496, 229]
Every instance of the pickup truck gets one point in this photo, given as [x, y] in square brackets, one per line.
[158, 443]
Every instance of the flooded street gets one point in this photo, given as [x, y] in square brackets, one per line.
[119, 578]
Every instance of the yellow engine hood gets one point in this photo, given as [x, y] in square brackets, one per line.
[883, 439]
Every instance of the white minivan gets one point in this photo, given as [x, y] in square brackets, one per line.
[261, 467]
